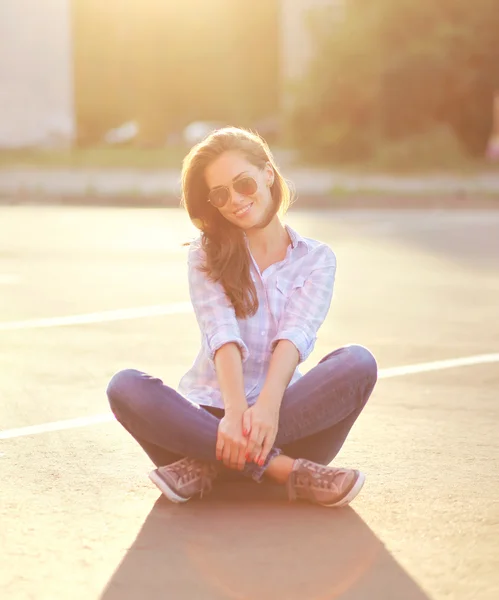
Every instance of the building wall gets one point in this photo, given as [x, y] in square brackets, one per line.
[36, 88]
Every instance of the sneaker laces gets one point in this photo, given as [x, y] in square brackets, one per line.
[192, 468]
[310, 475]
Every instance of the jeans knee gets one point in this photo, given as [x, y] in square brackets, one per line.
[365, 362]
[118, 389]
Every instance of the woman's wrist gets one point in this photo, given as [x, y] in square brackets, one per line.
[229, 371]
[235, 407]
[272, 393]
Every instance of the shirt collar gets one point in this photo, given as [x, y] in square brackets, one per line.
[295, 237]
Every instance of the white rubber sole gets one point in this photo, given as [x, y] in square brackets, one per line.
[166, 490]
[159, 482]
[351, 494]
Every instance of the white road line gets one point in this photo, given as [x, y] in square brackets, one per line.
[438, 365]
[383, 374]
[56, 426]
[123, 314]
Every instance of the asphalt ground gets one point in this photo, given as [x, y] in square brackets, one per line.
[80, 520]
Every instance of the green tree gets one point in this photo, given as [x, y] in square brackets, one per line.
[165, 64]
[398, 68]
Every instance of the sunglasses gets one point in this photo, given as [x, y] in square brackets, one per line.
[219, 196]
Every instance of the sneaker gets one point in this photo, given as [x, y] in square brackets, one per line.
[184, 479]
[327, 486]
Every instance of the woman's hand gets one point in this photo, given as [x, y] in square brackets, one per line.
[260, 423]
[231, 443]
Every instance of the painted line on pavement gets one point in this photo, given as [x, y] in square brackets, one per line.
[175, 308]
[56, 426]
[437, 365]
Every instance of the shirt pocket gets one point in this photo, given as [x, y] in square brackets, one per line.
[285, 285]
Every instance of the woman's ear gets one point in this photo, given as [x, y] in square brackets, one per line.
[270, 174]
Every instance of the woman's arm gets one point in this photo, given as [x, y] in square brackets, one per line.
[229, 368]
[305, 311]
[283, 363]
[214, 312]
[262, 419]
[307, 305]
[226, 351]
[231, 440]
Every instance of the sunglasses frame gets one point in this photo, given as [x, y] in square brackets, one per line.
[227, 188]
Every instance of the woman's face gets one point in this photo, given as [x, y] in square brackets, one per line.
[245, 211]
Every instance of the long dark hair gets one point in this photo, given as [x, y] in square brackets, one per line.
[227, 257]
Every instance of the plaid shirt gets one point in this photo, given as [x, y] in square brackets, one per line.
[294, 296]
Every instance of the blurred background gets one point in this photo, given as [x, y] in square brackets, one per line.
[392, 85]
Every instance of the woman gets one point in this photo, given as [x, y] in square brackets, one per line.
[260, 292]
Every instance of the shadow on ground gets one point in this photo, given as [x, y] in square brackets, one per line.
[239, 543]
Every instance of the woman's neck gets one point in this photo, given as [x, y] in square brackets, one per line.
[269, 240]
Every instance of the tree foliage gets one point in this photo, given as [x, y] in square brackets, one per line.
[393, 69]
[164, 64]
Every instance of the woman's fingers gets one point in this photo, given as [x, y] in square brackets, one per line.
[232, 453]
[252, 442]
[241, 459]
[266, 448]
[237, 453]
[255, 442]
[219, 447]
[247, 423]
[263, 434]
[226, 454]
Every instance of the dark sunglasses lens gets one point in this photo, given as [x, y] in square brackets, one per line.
[219, 197]
[245, 186]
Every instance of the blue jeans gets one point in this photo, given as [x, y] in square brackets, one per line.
[316, 415]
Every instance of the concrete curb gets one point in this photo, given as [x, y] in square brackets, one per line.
[315, 188]
[303, 202]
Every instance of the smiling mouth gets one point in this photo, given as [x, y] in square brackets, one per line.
[242, 211]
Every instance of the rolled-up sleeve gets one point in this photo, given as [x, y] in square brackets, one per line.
[214, 312]
[307, 305]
